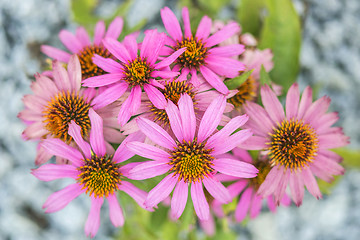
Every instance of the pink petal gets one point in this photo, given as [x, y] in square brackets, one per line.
[70, 41]
[61, 77]
[75, 132]
[331, 155]
[138, 195]
[34, 103]
[305, 102]
[297, 188]
[225, 132]
[117, 49]
[55, 53]
[323, 123]
[243, 205]
[161, 191]
[310, 183]
[110, 95]
[216, 189]
[131, 45]
[231, 142]
[260, 117]
[211, 118]
[115, 211]
[148, 151]
[175, 120]
[223, 34]
[115, 28]
[155, 96]
[255, 206]
[93, 221]
[49, 172]
[179, 199]
[214, 80]
[58, 148]
[164, 74]
[235, 168]
[292, 101]
[44, 87]
[227, 51]
[42, 156]
[122, 152]
[74, 72]
[83, 37]
[271, 182]
[156, 133]
[272, 104]
[97, 141]
[149, 169]
[328, 165]
[204, 28]
[35, 131]
[280, 190]
[201, 206]
[108, 65]
[58, 200]
[170, 59]
[335, 140]
[237, 187]
[130, 106]
[254, 143]
[152, 45]
[187, 115]
[224, 66]
[186, 22]
[317, 109]
[271, 203]
[99, 32]
[171, 23]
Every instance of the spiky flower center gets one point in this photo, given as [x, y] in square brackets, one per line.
[88, 68]
[172, 91]
[137, 72]
[99, 176]
[63, 108]
[264, 168]
[191, 161]
[195, 53]
[246, 92]
[293, 144]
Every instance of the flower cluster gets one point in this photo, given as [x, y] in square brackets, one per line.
[166, 99]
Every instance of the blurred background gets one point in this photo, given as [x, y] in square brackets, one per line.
[329, 61]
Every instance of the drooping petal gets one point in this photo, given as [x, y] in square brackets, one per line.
[211, 118]
[137, 194]
[187, 115]
[171, 23]
[130, 105]
[297, 188]
[272, 104]
[237, 187]
[179, 199]
[214, 80]
[243, 205]
[97, 141]
[216, 189]
[122, 153]
[235, 168]
[161, 191]
[115, 211]
[93, 221]
[58, 200]
[255, 206]
[75, 133]
[201, 206]
[156, 133]
[58, 148]
[310, 183]
[170, 59]
[50, 172]
[271, 182]
[155, 96]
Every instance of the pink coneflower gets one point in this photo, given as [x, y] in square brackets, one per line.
[55, 103]
[190, 158]
[297, 143]
[250, 202]
[97, 173]
[135, 71]
[201, 96]
[202, 55]
[81, 45]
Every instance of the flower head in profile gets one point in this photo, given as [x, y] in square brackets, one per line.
[136, 70]
[81, 45]
[296, 143]
[96, 172]
[58, 101]
[190, 159]
[202, 54]
[250, 202]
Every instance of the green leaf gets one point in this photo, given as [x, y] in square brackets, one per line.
[234, 83]
[264, 76]
[282, 33]
[249, 15]
[351, 157]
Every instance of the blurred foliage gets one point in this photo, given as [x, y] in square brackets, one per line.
[250, 16]
[234, 83]
[351, 157]
[282, 34]
[83, 12]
